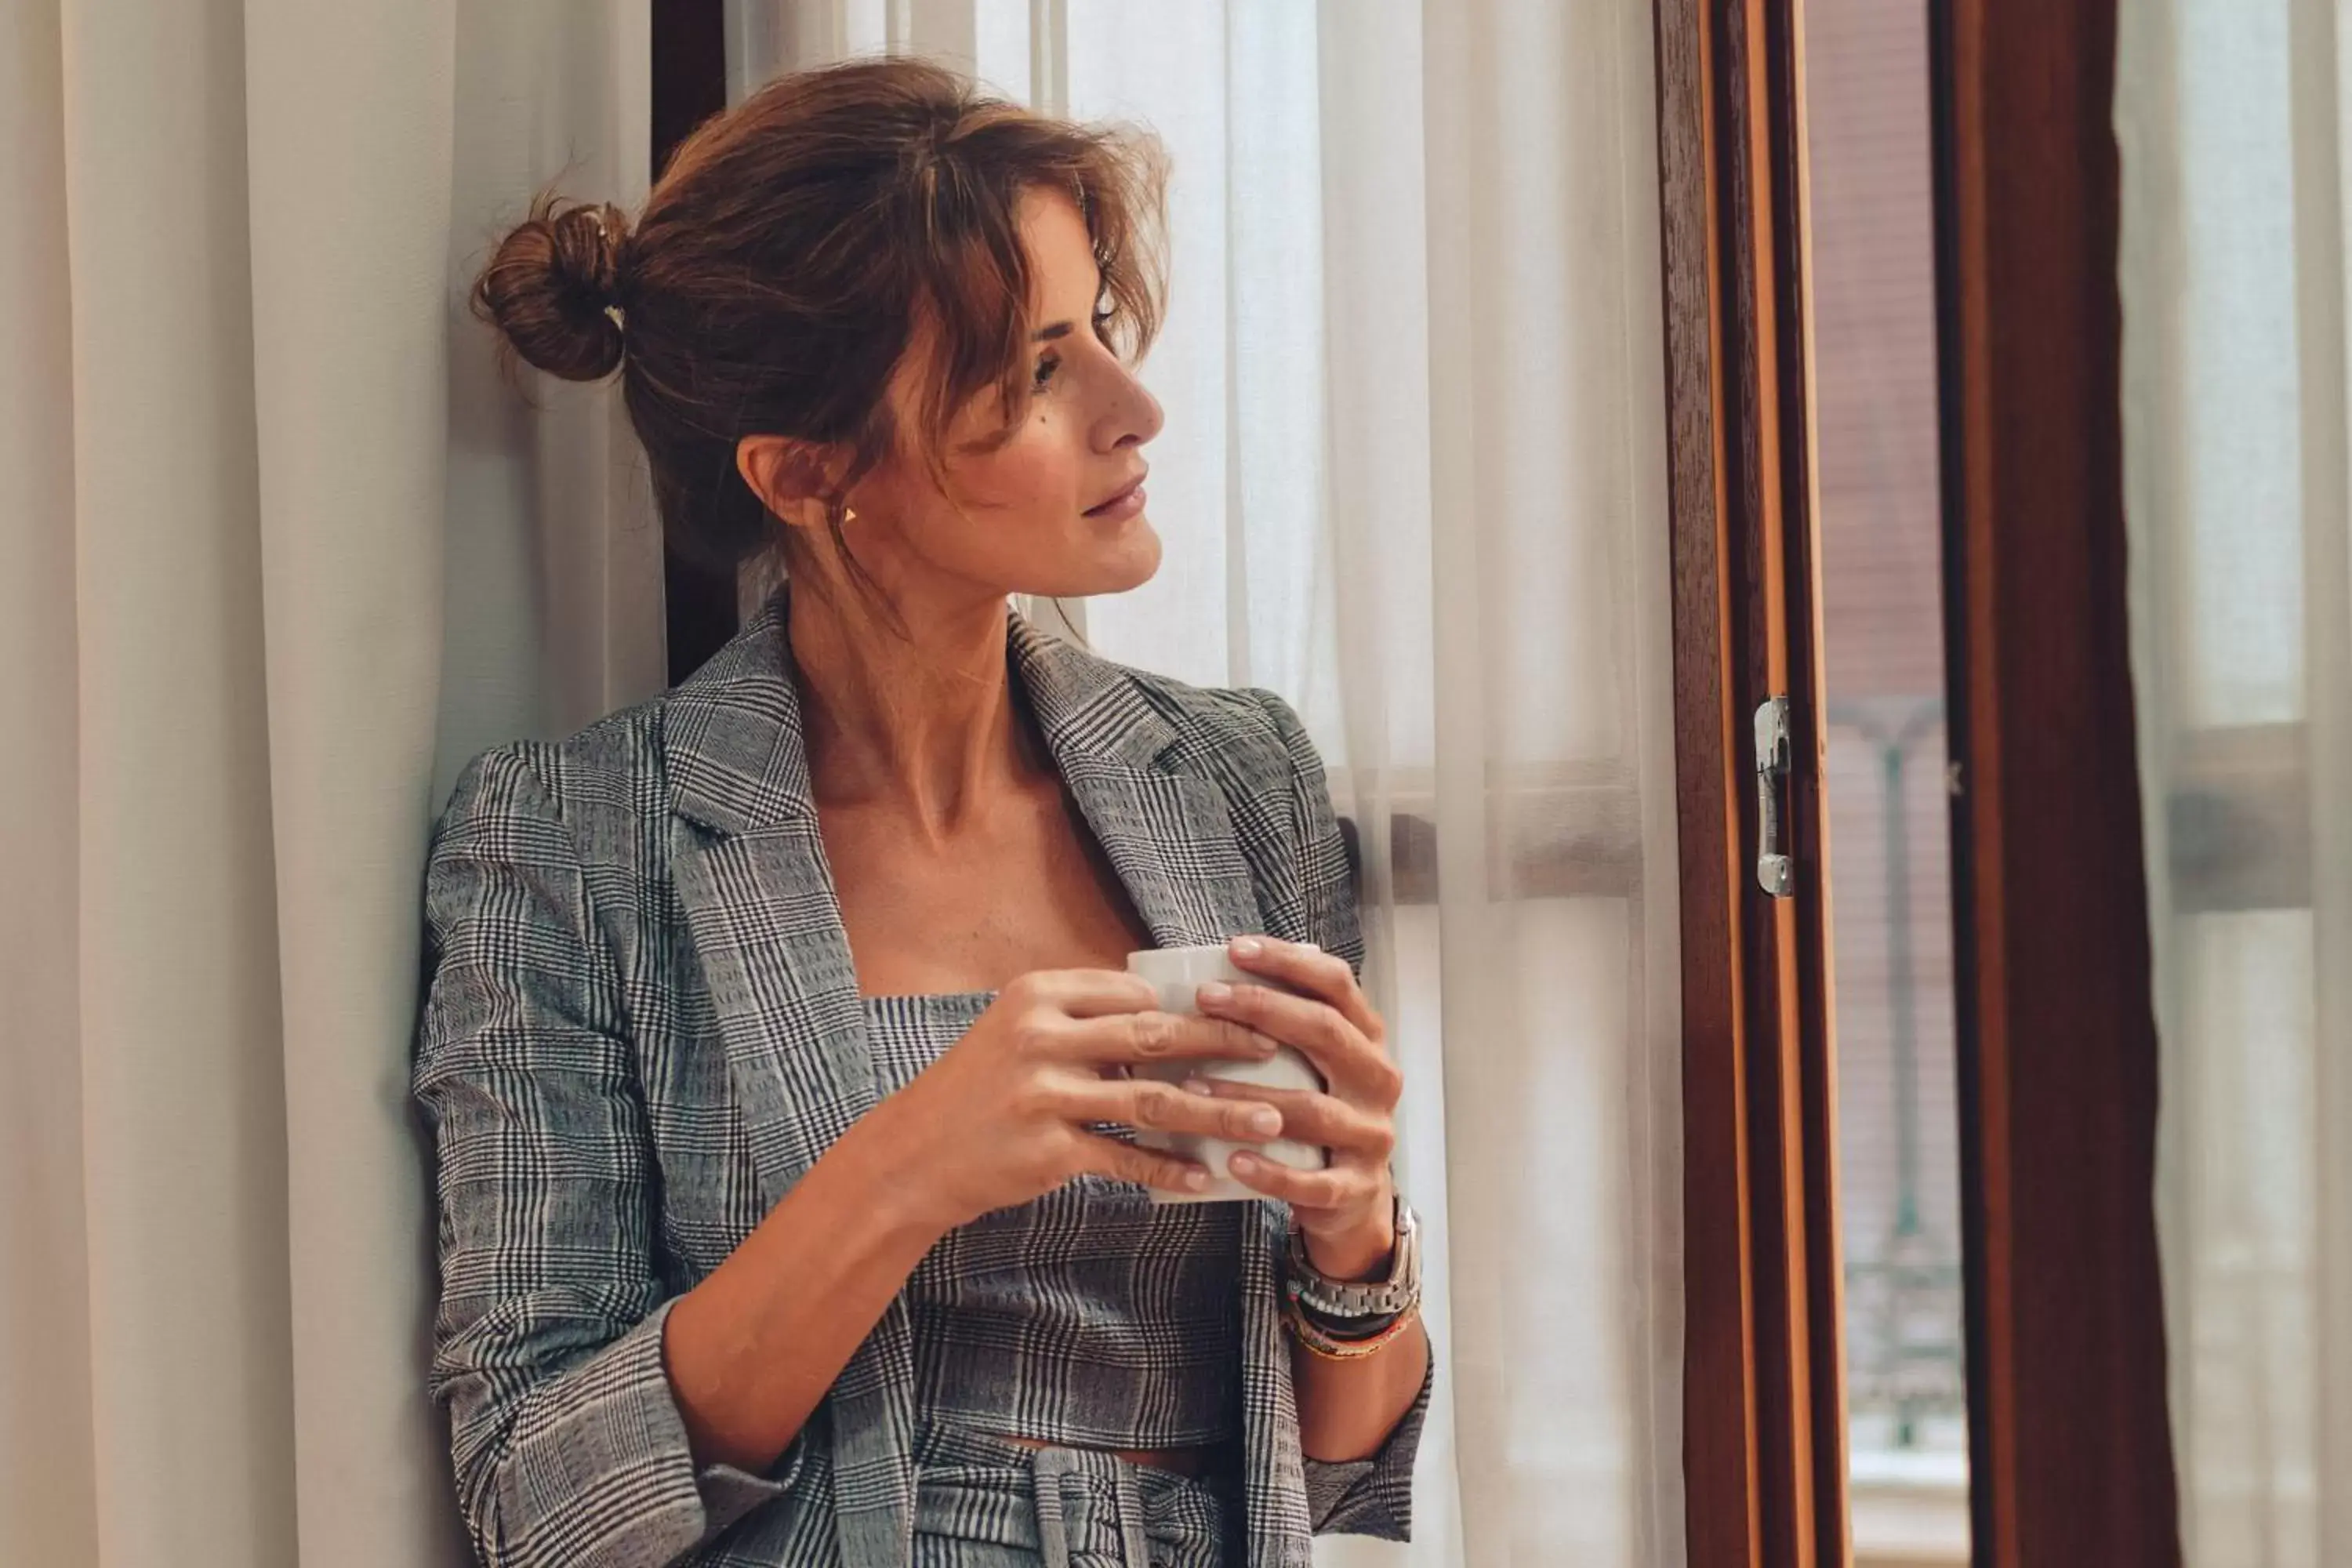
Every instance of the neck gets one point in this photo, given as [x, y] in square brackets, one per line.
[923, 726]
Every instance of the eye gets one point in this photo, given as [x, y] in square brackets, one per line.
[1047, 364]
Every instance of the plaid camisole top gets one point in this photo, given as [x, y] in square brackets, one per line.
[1090, 1317]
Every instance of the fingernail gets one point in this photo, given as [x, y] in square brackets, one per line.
[1242, 1165]
[1215, 993]
[1198, 1085]
[1312, 946]
[1263, 1122]
[1247, 947]
[1198, 1180]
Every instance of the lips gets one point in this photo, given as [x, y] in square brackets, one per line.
[1112, 501]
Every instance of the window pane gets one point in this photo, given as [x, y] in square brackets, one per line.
[1874, 378]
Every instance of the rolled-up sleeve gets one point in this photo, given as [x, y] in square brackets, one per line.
[1372, 1495]
[566, 1436]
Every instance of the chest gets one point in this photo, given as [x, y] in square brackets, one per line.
[1023, 886]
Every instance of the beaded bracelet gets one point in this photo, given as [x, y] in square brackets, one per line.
[1322, 1344]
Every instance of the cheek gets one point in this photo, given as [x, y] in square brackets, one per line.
[1036, 472]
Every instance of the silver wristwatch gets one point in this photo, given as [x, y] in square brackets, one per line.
[1343, 1299]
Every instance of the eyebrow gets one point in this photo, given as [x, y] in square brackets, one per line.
[1047, 334]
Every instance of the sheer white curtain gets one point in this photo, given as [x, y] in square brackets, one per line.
[1412, 477]
[275, 554]
[2233, 117]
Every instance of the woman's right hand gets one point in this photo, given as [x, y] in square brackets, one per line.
[1001, 1117]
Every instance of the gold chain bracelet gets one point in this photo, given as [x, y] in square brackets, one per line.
[1319, 1343]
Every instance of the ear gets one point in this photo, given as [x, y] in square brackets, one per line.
[793, 479]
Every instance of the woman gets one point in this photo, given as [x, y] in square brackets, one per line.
[772, 1044]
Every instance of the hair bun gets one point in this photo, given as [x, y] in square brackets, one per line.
[553, 287]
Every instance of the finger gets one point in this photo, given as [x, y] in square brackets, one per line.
[1147, 1102]
[1146, 1167]
[1154, 1037]
[1322, 976]
[1353, 1066]
[1089, 993]
[1310, 1117]
[1335, 1186]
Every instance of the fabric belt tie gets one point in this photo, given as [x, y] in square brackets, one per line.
[1076, 1507]
[1069, 1500]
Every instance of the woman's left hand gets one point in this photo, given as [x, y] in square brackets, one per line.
[1344, 1211]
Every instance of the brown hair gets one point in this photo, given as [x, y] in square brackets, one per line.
[784, 260]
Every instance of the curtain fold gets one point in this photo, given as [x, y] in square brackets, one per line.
[243, 403]
[1412, 477]
[2232, 121]
[184, 1123]
[48, 1512]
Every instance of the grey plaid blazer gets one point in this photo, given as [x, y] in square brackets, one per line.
[641, 1025]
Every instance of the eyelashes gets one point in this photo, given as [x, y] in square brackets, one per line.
[1050, 362]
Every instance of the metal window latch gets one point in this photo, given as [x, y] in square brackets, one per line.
[1774, 872]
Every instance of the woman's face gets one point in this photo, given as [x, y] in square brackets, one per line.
[1058, 509]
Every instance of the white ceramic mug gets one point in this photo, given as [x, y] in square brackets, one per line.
[1179, 972]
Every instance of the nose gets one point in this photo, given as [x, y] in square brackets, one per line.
[1130, 415]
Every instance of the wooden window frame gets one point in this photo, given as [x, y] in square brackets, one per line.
[1763, 1406]
[2070, 1454]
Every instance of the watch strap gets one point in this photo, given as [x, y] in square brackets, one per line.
[1350, 1302]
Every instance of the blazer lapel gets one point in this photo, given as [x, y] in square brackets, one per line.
[1164, 827]
[759, 906]
[761, 911]
[759, 901]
